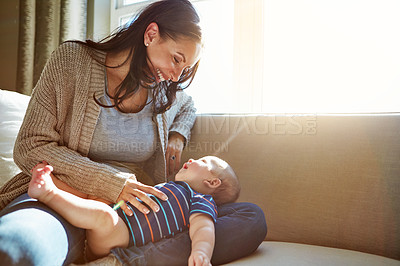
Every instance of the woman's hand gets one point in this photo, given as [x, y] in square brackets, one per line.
[174, 152]
[133, 190]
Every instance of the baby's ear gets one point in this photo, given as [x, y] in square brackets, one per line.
[213, 183]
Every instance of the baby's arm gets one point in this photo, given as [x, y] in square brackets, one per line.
[202, 234]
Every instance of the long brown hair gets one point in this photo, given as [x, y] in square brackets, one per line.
[175, 19]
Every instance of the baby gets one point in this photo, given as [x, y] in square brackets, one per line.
[199, 186]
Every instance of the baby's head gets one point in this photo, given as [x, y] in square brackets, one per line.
[213, 176]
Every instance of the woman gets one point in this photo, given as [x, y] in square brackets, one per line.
[107, 116]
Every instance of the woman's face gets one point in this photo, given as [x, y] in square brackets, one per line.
[167, 58]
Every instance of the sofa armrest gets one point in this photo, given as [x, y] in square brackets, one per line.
[12, 111]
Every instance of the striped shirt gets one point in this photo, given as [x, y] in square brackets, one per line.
[173, 216]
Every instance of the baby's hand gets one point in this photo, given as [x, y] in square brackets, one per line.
[199, 258]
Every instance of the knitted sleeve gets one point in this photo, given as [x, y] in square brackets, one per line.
[185, 117]
[41, 136]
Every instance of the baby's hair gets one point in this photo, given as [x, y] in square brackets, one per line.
[229, 189]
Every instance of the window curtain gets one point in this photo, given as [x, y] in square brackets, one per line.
[44, 25]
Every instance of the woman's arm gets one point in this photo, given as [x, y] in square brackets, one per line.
[202, 234]
[185, 115]
[179, 131]
[53, 111]
[52, 129]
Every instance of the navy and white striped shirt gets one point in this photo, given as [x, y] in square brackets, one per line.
[173, 216]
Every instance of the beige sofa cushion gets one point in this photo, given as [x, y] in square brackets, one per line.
[290, 254]
[329, 180]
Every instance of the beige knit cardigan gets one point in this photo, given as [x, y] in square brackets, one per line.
[59, 124]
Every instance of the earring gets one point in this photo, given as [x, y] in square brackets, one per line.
[147, 44]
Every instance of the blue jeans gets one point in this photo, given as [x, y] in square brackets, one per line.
[33, 234]
[239, 230]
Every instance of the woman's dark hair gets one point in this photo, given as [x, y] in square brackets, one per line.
[175, 19]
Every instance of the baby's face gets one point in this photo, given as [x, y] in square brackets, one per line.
[195, 172]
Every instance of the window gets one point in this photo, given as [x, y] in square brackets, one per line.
[293, 56]
[332, 56]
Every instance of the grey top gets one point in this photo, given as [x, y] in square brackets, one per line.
[123, 137]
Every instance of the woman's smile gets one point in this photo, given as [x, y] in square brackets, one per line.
[160, 75]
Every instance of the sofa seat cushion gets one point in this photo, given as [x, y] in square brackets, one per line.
[284, 254]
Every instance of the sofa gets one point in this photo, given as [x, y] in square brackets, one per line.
[329, 185]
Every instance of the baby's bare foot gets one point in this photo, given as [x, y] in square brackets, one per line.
[41, 186]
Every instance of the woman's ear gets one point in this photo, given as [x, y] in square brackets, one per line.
[213, 183]
[152, 33]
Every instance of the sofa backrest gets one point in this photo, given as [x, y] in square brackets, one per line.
[330, 180]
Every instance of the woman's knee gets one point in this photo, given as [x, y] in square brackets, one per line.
[240, 229]
[258, 223]
[248, 216]
[32, 235]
